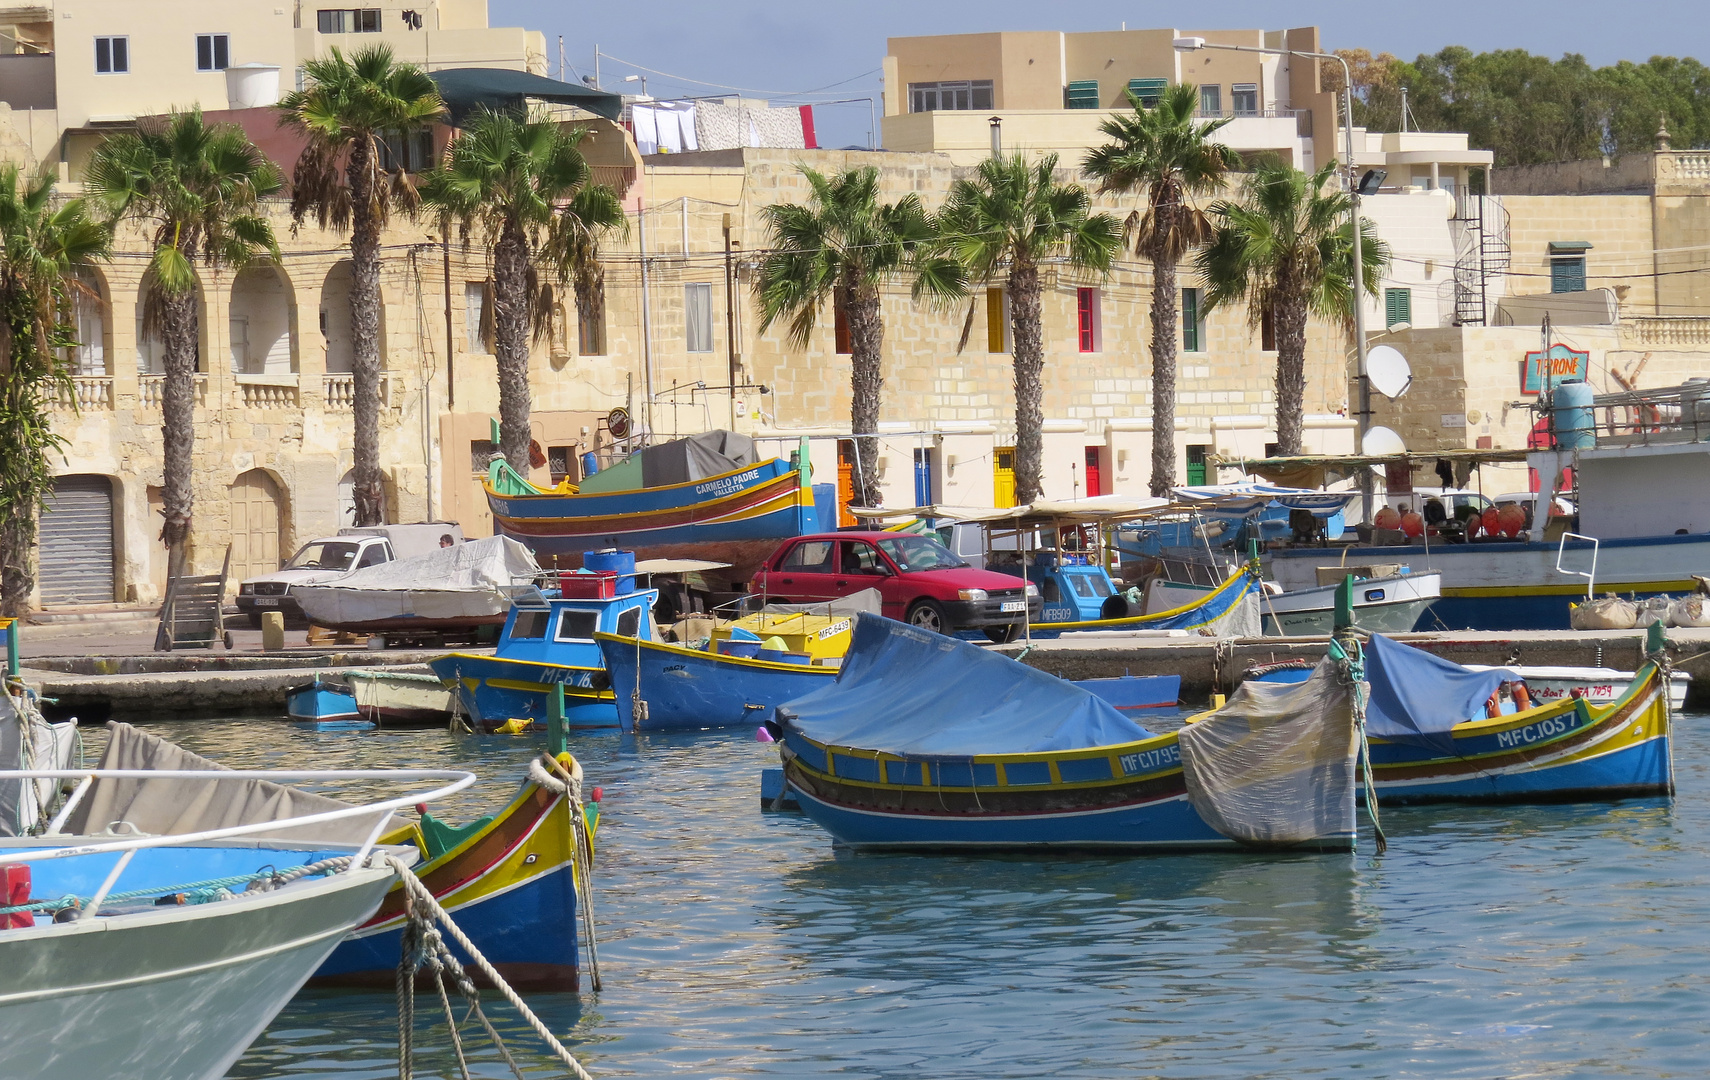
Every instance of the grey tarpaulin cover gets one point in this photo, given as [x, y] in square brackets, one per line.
[1276, 764]
[28, 742]
[463, 581]
[695, 458]
[171, 807]
[865, 602]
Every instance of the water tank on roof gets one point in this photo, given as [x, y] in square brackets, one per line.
[1571, 418]
[252, 86]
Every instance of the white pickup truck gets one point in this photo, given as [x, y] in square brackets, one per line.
[331, 557]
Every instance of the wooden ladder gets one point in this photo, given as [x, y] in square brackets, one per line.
[193, 615]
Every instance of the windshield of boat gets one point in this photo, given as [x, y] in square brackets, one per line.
[324, 555]
[912, 553]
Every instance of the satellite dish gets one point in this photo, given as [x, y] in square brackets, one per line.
[1381, 442]
[1388, 372]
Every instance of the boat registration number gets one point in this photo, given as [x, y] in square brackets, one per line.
[1013, 605]
[267, 601]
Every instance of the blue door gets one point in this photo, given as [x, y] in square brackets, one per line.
[923, 477]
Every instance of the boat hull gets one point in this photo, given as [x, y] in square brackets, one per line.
[1565, 752]
[1203, 612]
[687, 688]
[176, 994]
[511, 888]
[321, 701]
[400, 611]
[740, 515]
[493, 690]
[400, 700]
[1515, 586]
[1381, 606]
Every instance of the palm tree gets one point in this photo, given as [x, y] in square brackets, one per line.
[196, 190]
[524, 184]
[844, 245]
[41, 249]
[1002, 223]
[1164, 152]
[1286, 249]
[347, 108]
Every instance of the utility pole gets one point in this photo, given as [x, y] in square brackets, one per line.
[597, 85]
[450, 347]
[646, 324]
[730, 317]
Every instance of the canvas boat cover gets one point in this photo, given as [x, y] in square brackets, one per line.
[696, 458]
[1418, 697]
[904, 690]
[1239, 500]
[496, 562]
[165, 807]
[1276, 764]
[865, 602]
[28, 742]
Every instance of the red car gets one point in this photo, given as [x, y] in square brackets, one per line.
[919, 580]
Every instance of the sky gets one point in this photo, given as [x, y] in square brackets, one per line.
[808, 51]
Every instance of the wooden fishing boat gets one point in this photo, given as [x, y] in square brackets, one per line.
[1229, 609]
[661, 686]
[895, 755]
[400, 699]
[322, 700]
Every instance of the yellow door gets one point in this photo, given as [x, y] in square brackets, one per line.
[255, 525]
[1003, 476]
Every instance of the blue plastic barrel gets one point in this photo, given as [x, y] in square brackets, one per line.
[1571, 418]
[612, 561]
[590, 464]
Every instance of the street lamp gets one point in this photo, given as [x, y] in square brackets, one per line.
[1355, 189]
[643, 78]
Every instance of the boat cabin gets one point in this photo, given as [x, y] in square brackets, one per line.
[548, 630]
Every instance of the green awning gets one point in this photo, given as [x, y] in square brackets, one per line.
[467, 89]
[1569, 247]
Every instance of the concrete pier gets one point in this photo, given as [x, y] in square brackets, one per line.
[1209, 665]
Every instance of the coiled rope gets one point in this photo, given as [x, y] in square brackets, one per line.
[424, 947]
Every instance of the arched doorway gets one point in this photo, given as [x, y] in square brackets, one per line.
[257, 523]
[336, 320]
[75, 542]
[347, 499]
[260, 323]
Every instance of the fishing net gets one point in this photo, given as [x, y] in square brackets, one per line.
[1275, 766]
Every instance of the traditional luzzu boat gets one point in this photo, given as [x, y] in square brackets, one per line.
[164, 956]
[734, 678]
[705, 497]
[1425, 749]
[1230, 610]
[549, 642]
[926, 742]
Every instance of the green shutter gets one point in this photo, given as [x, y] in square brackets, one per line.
[1398, 306]
[1190, 320]
[1149, 91]
[1082, 94]
[1567, 275]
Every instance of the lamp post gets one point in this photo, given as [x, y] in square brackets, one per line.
[1190, 44]
[641, 78]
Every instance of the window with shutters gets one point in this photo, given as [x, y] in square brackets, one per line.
[1397, 306]
[840, 329]
[1211, 100]
[1267, 332]
[1245, 98]
[1149, 91]
[997, 321]
[112, 55]
[1193, 330]
[950, 96]
[1196, 463]
[697, 316]
[213, 52]
[477, 318]
[1087, 319]
[1081, 94]
[591, 330]
[1567, 273]
[348, 21]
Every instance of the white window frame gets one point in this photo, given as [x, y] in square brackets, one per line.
[112, 68]
[476, 322]
[697, 317]
[214, 40]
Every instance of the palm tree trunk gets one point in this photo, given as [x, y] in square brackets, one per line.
[368, 483]
[17, 538]
[1163, 375]
[510, 333]
[1290, 318]
[867, 379]
[1025, 328]
[179, 328]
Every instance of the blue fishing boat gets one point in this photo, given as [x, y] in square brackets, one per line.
[660, 686]
[1231, 609]
[323, 701]
[1136, 693]
[1424, 747]
[548, 642]
[927, 742]
[704, 497]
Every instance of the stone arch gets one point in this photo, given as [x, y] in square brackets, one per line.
[151, 349]
[347, 499]
[336, 321]
[258, 519]
[91, 317]
[263, 322]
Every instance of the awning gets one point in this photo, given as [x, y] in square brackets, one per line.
[467, 89]
[1095, 508]
[1311, 471]
[1569, 247]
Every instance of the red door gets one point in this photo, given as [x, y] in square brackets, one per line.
[1095, 475]
[805, 574]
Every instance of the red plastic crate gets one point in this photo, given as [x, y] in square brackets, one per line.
[577, 585]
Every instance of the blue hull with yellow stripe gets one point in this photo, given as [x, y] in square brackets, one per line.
[1567, 751]
[688, 688]
[1202, 614]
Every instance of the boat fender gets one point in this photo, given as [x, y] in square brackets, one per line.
[1522, 696]
[597, 794]
[1493, 705]
[514, 726]
[762, 735]
[775, 644]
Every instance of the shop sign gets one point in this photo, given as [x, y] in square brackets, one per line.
[1557, 364]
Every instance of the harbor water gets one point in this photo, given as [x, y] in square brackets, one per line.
[1489, 942]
